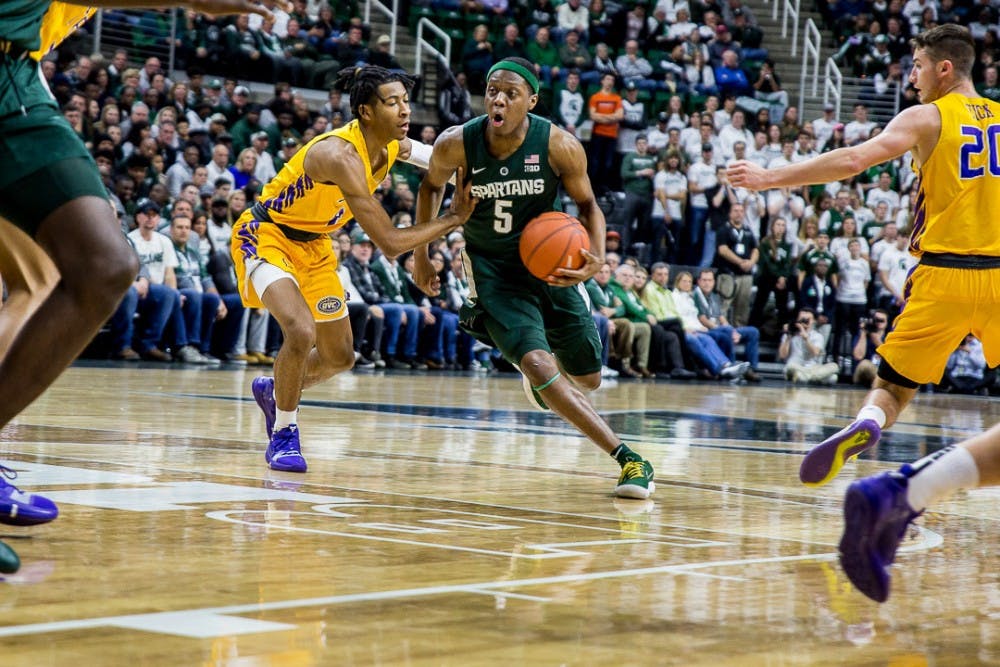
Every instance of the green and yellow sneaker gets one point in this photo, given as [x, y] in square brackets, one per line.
[9, 562]
[636, 480]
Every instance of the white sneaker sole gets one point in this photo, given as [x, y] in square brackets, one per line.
[635, 491]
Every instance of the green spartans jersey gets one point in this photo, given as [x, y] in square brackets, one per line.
[36, 142]
[21, 22]
[20, 80]
[511, 192]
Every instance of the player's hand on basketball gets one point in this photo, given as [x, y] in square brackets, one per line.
[566, 277]
[462, 202]
[745, 174]
[225, 7]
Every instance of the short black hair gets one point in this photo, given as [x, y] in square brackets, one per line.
[363, 83]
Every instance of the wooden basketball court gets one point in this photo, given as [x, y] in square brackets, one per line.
[442, 522]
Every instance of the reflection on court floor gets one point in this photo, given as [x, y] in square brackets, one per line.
[444, 522]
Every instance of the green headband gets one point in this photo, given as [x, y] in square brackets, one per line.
[511, 66]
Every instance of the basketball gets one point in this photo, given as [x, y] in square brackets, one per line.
[551, 241]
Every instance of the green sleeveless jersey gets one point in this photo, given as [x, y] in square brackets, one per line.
[21, 22]
[511, 192]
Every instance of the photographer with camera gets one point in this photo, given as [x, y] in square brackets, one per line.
[802, 350]
[871, 333]
[819, 294]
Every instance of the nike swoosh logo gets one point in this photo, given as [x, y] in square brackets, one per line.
[476, 171]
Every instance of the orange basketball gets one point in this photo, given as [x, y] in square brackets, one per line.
[551, 241]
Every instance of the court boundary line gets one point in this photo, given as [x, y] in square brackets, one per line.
[407, 593]
[932, 539]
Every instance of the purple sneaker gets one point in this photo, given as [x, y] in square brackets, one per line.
[826, 459]
[18, 508]
[283, 452]
[876, 515]
[263, 393]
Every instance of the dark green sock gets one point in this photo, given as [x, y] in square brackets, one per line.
[623, 454]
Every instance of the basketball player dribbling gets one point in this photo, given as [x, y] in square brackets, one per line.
[62, 254]
[953, 291]
[515, 161]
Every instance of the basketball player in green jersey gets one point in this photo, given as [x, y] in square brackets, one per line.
[63, 257]
[516, 161]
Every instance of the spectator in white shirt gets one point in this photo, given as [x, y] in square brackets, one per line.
[701, 176]
[264, 171]
[182, 171]
[852, 295]
[659, 134]
[682, 26]
[883, 193]
[219, 165]
[802, 349]
[572, 15]
[670, 192]
[280, 19]
[860, 128]
[823, 127]
[692, 130]
[735, 131]
[893, 267]
[694, 148]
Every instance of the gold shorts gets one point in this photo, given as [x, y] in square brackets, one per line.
[313, 265]
[943, 305]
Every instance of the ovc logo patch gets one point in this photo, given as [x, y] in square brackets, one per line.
[328, 305]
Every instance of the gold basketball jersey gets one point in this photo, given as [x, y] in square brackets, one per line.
[59, 22]
[959, 198]
[292, 198]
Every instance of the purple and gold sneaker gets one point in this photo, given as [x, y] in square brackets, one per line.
[826, 459]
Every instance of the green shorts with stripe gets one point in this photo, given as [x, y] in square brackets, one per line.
[43, 163]
[517, 313]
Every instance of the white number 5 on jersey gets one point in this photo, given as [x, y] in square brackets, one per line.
[503, 221]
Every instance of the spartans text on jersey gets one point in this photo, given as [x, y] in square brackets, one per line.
[514, 188]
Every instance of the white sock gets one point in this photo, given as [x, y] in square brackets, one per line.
[284, 418]
[873, 412]
[941, 474]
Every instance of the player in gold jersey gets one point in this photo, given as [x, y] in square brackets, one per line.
[285, 257]
[954, 137]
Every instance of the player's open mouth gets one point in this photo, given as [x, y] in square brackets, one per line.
[496, 119]
[405, 127]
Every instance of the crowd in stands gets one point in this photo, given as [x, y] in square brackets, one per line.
[699, 274]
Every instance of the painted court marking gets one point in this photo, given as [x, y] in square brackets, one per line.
[543, 551]
[160, 622]
[218, 621]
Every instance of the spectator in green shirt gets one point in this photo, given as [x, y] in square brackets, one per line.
[622, 286]
[545, 55]
[621, 331]
[637, 172]
[809, 259]
[775, 271]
